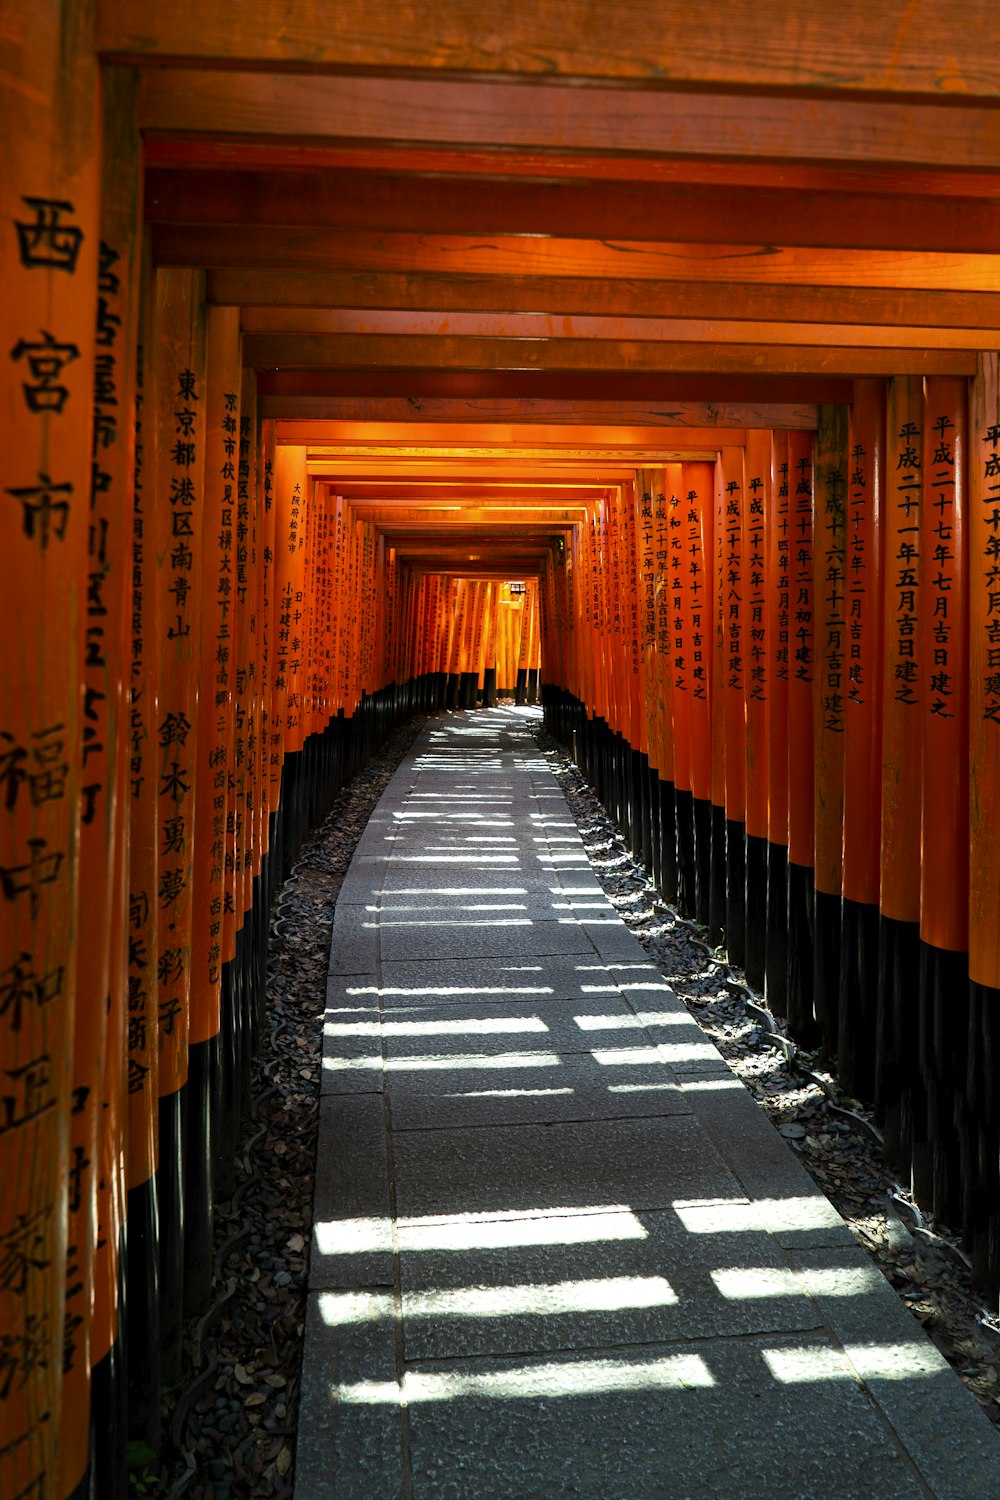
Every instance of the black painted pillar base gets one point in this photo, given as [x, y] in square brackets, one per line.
[225, 1122]
[944, 1036]
[170, 1196]
[521, 686]
[109, 1413]
[702, 815]
[801, 947]
[826, 969]
[490, 687]
[653, 794]
[142, 1314]
[717, 882]
[668, 841]
[776, 944]
[736, 891]
[686, 872]
[897, 1050]
[858, 998]
[755, 949]
[984, 1106]
[199, 1183]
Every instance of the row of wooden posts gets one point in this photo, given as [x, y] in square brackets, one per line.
[203, 643]
[782, 671]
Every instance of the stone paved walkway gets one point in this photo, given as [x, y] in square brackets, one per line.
[558, 1250]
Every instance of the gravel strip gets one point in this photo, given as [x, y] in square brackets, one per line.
[233, 1420]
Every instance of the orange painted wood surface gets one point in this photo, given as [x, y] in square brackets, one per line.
[903, 680]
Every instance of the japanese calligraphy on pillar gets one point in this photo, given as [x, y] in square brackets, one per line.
[49, 268]
[905, 491]
[944, 906]
[179, 366]
[831, 564]
[142, 927]
[984, 673]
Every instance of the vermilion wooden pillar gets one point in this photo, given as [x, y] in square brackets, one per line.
[680, 684]
[944, 871]
[898, 1083]
[779, 636]
[699, 507]
[214, 749]
[801, 779]
[720, 592]
[49, 254]
[829, 698]
[984, 812]
[735, 612]
[177, 407]
[758, 505]
[107, 669]
[862, 739]
[143, 1217]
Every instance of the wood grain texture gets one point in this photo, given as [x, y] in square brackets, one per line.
[401, 409]
[515, 255]
[623, 297]
[375, 350]
[316, 110]
[699, 212]
[397, 323]
[917, 49]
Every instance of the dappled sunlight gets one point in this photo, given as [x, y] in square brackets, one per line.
[607, 1294]
[444, 922]
[722, 1216]
[461, 1233]
[508, 1093]
[739, 1284]
[473, 1061]
[418, 991]
[479, 1025]
[901, 1361]
[560, 1378]
[452, 906]
[634, 1020]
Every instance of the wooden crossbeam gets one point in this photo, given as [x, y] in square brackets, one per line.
[622, 297]
[513, 255]
[489, 439]
[698, 212]
[493, 410]
[312, 109]
[397, 324]
[251, 153]
[896, 49]
[358, 351]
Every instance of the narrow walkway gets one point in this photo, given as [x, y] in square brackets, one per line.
[559, 1251]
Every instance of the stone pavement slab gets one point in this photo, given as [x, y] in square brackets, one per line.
[558, 1250]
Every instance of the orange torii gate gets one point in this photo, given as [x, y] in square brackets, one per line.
[268, 483]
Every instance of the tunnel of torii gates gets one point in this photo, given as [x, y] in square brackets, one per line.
[344, 378]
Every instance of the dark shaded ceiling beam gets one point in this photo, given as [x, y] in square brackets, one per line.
[354, 200]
